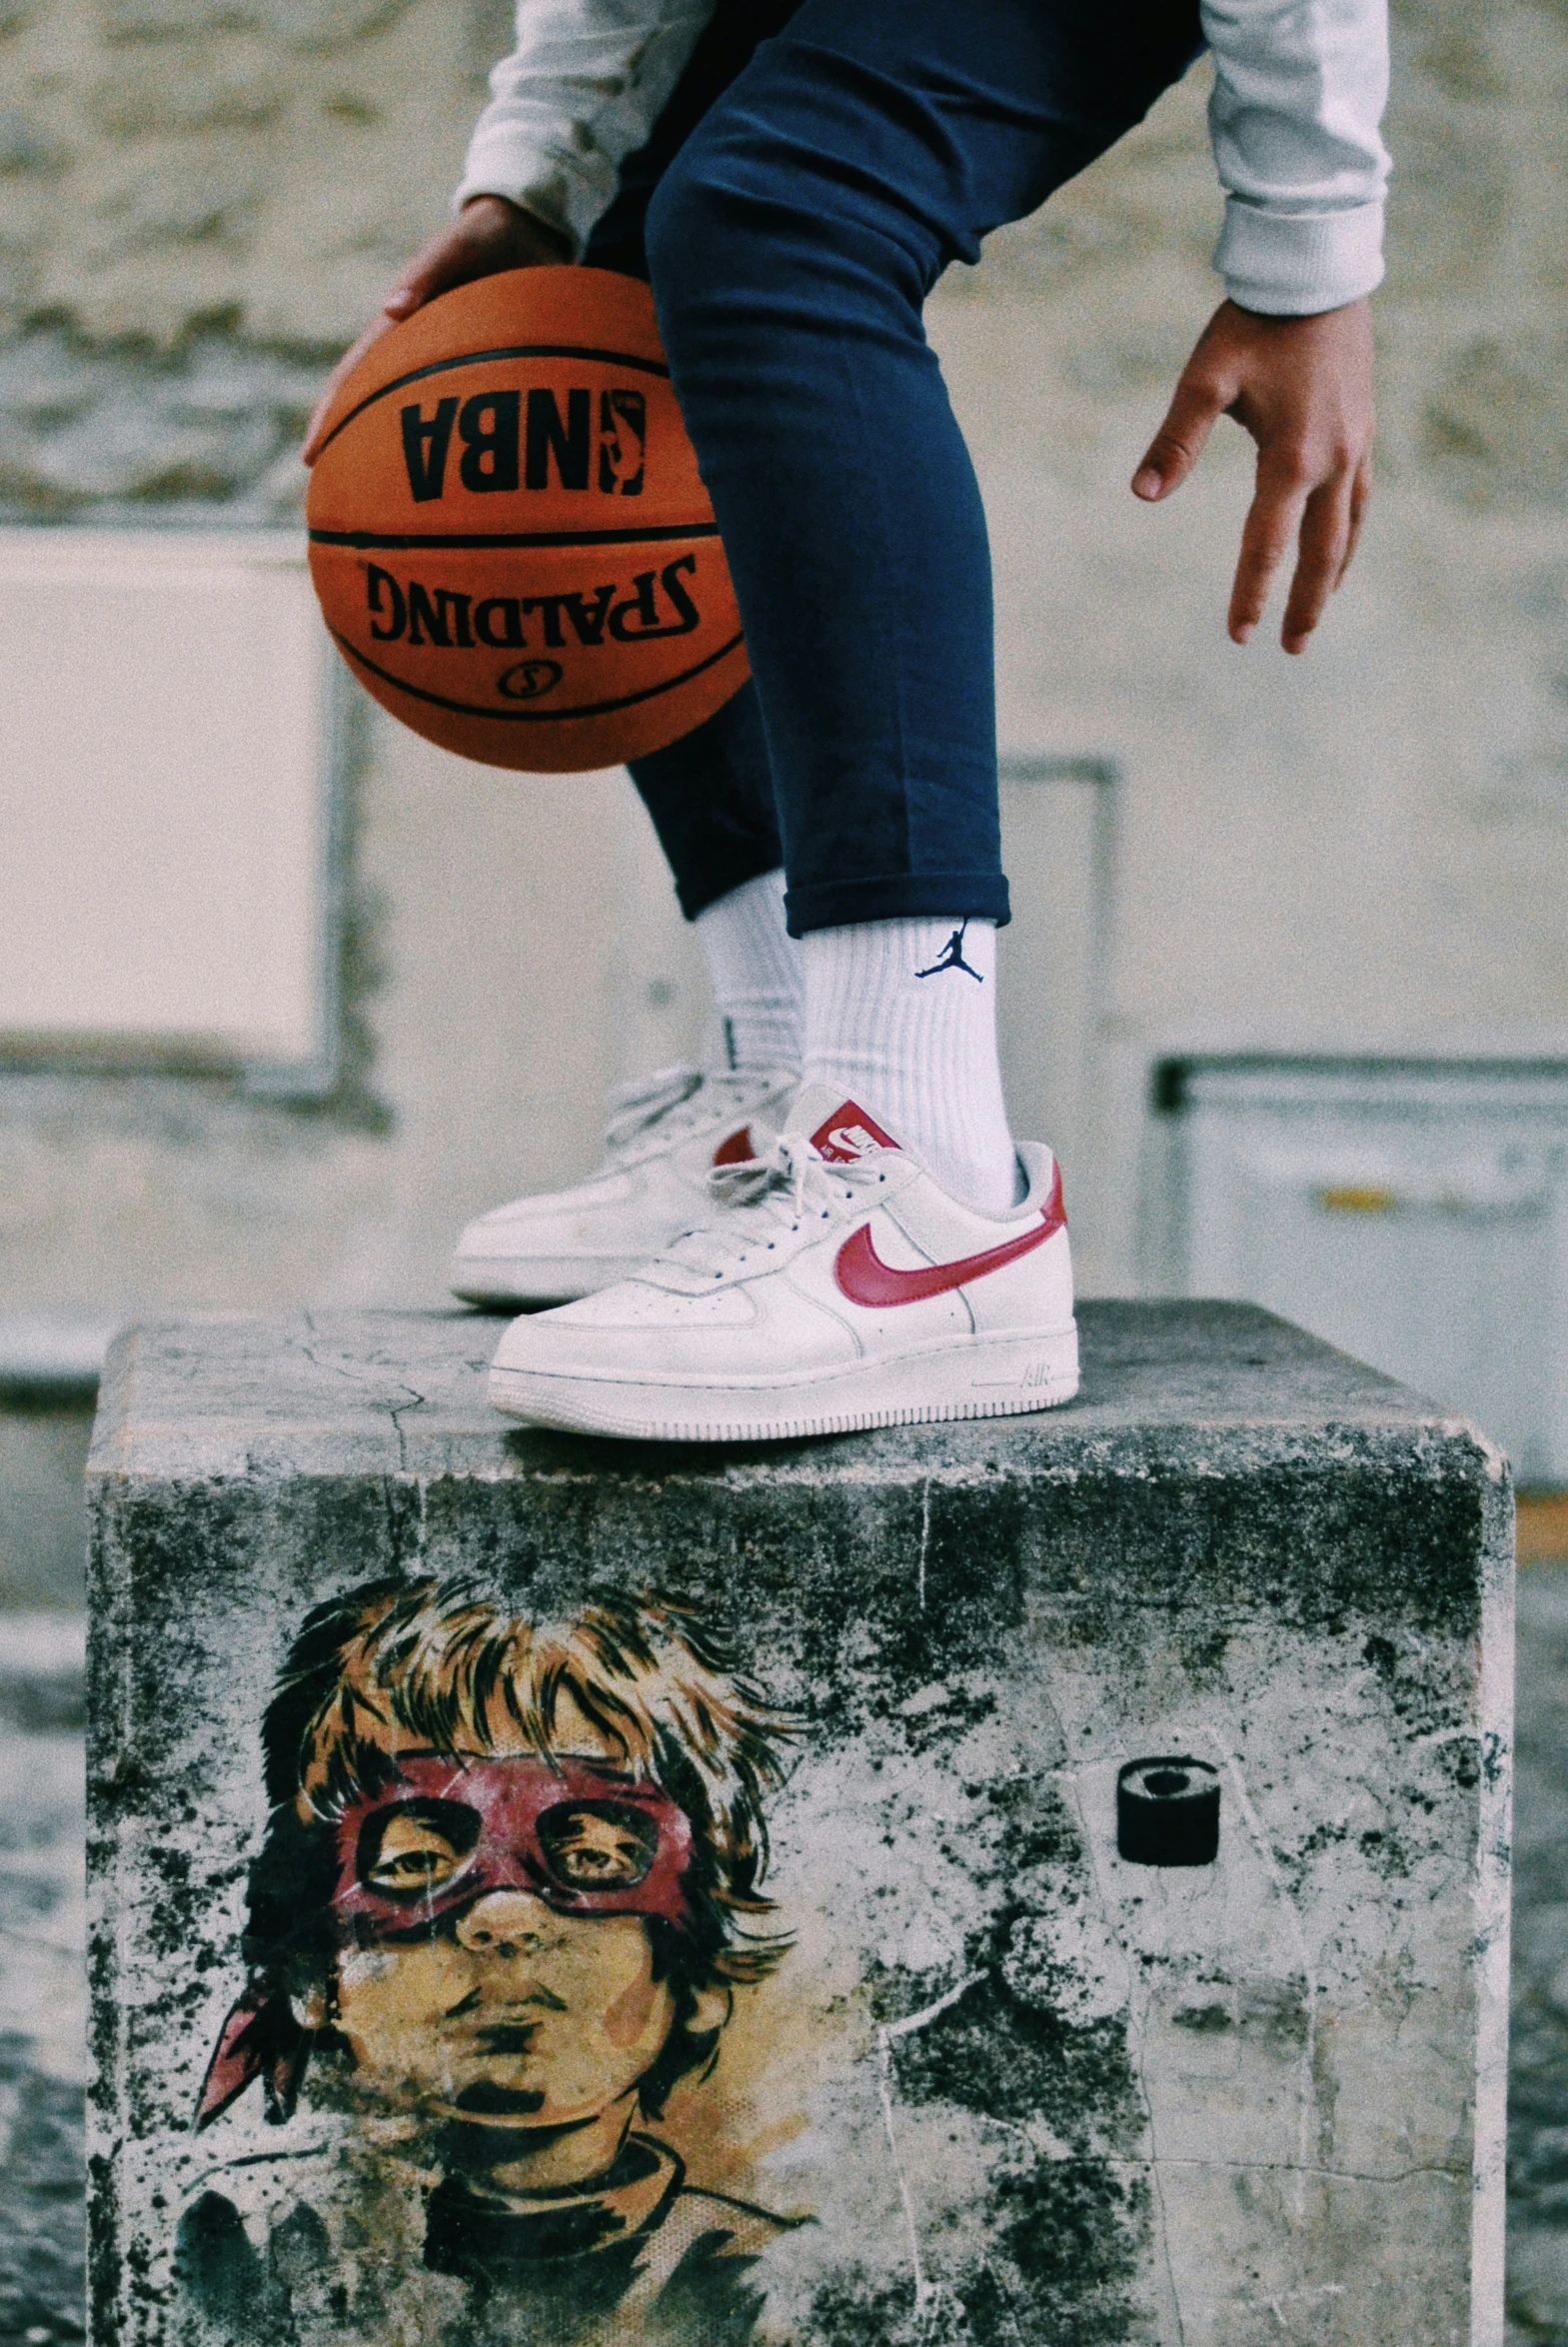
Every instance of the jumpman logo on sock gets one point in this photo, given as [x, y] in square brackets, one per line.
[952, 958]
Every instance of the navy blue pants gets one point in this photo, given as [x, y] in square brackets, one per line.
[795, 206]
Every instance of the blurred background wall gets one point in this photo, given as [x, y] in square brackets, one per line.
[286, 996]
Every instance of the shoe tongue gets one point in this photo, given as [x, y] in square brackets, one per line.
[839, 1130]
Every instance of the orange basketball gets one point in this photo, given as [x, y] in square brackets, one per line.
[508, 534]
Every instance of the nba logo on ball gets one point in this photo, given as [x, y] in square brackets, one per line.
[508, 534]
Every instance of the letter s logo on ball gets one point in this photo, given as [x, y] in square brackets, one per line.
[529, 679]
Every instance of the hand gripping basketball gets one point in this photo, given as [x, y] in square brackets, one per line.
[508, 535]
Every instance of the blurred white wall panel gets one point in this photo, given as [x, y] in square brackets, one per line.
[1059, 852]
[164, 808]
[1414, 1214]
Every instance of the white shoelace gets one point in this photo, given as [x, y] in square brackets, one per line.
[645, 1111]
[787, 1190]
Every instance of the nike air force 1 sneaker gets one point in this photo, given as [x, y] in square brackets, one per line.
[833, 1285]
[666, 1135]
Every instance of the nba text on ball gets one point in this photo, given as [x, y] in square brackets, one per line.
[505, 436]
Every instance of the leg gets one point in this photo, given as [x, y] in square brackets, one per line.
[793, 241]
[722, 50]
[840, 1281]
[709, 796]
[710, 800]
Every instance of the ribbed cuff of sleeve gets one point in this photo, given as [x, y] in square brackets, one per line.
[567, 193]
[1291, 264]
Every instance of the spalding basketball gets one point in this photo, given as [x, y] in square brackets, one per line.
[508, 534]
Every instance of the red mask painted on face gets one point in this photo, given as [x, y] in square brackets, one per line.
[575, 1835]
[580, 1837]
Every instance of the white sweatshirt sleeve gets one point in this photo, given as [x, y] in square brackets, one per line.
[1300, 91]
[583, 87]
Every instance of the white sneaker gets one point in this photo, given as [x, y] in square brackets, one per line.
[666, 1135]
[835, 1285]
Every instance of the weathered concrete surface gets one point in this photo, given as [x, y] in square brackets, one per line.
[1538, 2093]
[1026, 2090]
[47, 2070]
[42, 1989]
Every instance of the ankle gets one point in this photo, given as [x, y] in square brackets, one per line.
[753, 970]
[901, 1015]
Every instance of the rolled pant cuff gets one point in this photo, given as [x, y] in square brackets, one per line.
[967, 896]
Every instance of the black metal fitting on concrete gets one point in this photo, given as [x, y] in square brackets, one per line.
[1168, 1812]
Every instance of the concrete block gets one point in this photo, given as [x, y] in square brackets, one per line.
[805, 1993]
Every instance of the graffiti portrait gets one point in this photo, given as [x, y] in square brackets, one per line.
[510, 1886]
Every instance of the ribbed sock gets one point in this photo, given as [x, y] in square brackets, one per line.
[754, 968]
[900, 1016]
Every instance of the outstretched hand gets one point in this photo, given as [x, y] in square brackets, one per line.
[488, 235]
[1303, 387]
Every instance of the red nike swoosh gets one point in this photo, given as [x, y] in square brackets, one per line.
[864, 1278]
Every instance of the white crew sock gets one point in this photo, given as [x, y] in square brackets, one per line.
[919, 1050]
[753, 969]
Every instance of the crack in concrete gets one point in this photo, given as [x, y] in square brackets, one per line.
[1278, 2167]
[1307, 2090]
[926, 2292]
[395, 1410]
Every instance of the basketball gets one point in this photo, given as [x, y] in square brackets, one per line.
[508, 535]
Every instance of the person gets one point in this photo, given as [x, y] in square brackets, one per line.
[510, 1882]
[792, 180]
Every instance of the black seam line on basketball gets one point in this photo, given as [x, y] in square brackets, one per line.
[516, 350]
[535, 717]
[379, 541]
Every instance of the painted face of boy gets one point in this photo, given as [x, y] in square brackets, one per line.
[516, 2015]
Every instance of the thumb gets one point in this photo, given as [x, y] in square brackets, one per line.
[441, 264]
[381, 324]
[447, 261]
[1177, 444]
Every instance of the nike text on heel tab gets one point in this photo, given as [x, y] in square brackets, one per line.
[850, 1133]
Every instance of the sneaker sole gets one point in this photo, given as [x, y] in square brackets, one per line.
[1008, 1376]
[512, 1287]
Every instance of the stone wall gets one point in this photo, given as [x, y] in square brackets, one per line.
[203, 197]
[1364, 849]
[203, 200]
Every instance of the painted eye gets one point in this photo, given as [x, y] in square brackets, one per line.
[413, 1855]
[604, 1848]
